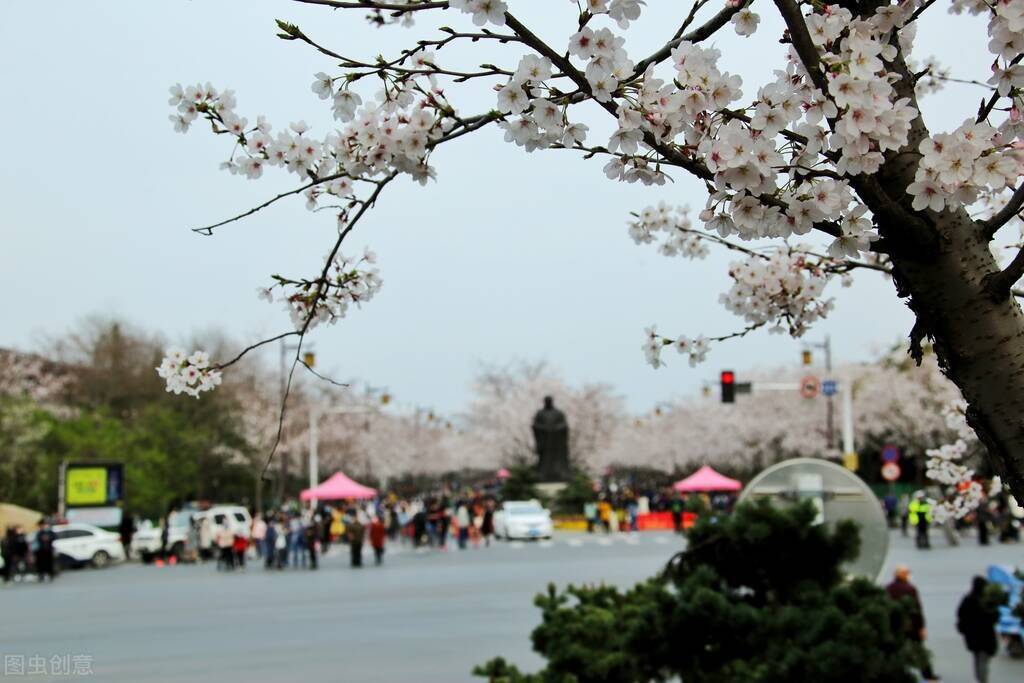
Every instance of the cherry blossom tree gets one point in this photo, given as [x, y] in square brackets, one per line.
[831, 164]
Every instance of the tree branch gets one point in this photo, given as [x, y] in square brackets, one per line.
[208, 230]
[252, 347]
[998, 285]
[1013, 206]
[700, 33]
[371, 4]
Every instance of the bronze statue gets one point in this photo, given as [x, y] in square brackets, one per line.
[551, 433]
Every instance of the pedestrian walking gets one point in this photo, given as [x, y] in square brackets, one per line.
[982, 519]
[378, 536]
[976, 621]
[126, 531]
[920, 515]
[296, 543]
[226, 548]
[44, 551]
[487, 523]
[239, 546]
[280, 545]
[205, 539]
[604, 511]
[904, 592]
[904, 512]
[463, 521]
[7, 544]
[590, 515]
[312, 533]
[676, 508]
[258, 534]
[355, 532]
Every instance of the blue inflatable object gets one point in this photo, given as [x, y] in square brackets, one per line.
[1009, 626]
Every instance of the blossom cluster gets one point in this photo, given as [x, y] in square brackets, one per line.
[957, 167]
[782, 289]
[188, 374]
[310, 302]
[540, 122]
[680, 239]
[945, 465]
[695, 349]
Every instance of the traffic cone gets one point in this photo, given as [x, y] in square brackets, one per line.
[158, 562]
[172, 560]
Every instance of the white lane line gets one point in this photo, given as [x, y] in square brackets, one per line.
[632, 540]
[661, 540]
[575, 542]
[516, 545]
[604, 541]
[546, 544]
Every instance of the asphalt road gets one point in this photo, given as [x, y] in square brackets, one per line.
[422, 617]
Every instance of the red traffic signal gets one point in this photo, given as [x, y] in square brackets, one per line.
[728, 386]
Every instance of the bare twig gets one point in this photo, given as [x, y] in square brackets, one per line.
[252, 347]
[208, 230]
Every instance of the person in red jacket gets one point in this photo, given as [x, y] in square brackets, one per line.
[378, 533]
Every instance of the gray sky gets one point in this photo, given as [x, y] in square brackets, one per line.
[507, 256]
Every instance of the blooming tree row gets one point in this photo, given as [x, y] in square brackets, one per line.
[834, 150]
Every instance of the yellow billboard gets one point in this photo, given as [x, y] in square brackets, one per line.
[86, 486]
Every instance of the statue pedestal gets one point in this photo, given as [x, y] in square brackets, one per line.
[550, 489]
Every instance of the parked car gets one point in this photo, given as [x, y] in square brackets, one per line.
[147, 541]
[78, 545]
[522, 519]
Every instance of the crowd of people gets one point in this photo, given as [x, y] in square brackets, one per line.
[1000, 517]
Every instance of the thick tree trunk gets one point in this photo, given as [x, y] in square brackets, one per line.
[941, 261]
[978, 338]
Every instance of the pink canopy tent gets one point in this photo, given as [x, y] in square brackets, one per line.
[503, 473]
[338, 487]
[706, 479]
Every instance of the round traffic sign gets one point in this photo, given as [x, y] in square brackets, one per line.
[809, 386]
[890, 471]
[890, 453]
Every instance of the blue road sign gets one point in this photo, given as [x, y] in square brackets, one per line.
[890, 453]
[829, 387]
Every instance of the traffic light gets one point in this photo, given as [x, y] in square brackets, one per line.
[807, 357]
[309, 358]
[728, 386]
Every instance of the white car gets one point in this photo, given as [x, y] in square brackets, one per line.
[81, 544]
[522, 519]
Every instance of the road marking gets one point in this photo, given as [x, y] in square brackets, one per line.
[546, 544]
[632, 540]
[661, 540]
[516, 545]
[575, 542]
[604, 541]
